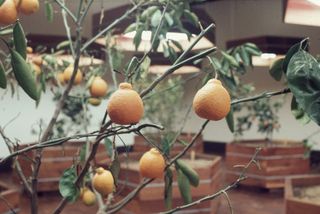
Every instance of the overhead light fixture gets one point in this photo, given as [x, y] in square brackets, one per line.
[302, 12]
[316, 2]
[125, 41]
[272, 47]
[160, 69]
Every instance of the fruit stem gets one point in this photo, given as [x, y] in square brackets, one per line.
[212, 65]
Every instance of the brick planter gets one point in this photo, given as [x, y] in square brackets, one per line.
[298, 205]
[11, 196]
[150, 199]
[277, 159]
[140, 145]
[54, 161]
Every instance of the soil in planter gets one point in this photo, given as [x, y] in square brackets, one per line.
[310, 193]
[197, 163]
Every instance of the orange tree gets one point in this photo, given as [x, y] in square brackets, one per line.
[212, 102]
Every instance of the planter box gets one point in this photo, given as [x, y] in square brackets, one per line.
[297, 205]
[150, 199]
[140, 145]
[277, 159]
[54, 161]
[11, 196]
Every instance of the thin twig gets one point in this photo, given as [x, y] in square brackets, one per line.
[63, 6]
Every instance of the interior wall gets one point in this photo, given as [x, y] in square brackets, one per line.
[234, 19]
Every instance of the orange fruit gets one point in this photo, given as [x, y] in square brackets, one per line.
[36, 68]
[103, 181]
[88, 197]
[60, 78]
[98, 87]
[29, 50]
[125, 105]
[212, 101]
[68, 73]
[94, 101]
[27, 7]
[8, 12]
[152, 164]
[37, 60]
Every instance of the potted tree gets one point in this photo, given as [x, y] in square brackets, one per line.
[84, 179]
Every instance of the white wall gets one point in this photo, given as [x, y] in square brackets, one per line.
[234, 19]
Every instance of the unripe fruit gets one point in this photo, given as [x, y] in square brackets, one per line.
[94, 101]
[125, 106]
[98, 87]
[28, 7]
[36, 69]
[152, 164]
[8, 12]
[212, 101]
[68, 73]
[103, 181]
[88, 197]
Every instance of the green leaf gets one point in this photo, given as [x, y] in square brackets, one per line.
[6, 31]
[137, 37]
[83, 153]
[252, 51]
[298, 112]
[230, 120]
[245, 56]
[192, 17]
[303, 75]
[23, 74]
[132, 65]
[230, 59]
[252, 46]
[43, 82]
[177, 44]
[294, 49]
[67, 187]
[169, 19]
[276, 69]
[115, 168]
[1, 2]
[3, 79]
[63, 44]
[131, 27]
[49, 11]
[184, 187]
[156, 18]
[20, 40]
[190, 173]
[168, 179]
[148, 12]
[108, 146]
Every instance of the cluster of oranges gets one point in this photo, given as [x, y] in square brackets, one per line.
[36, 61]
[10, 8]
[125, 107]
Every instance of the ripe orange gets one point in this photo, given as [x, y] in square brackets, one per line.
[68, 73]
[37, 60]
[103, 181]
[94, 101]
[29, 50]
[27, 7]
[60, 78]
[152, 164]
[36, 68]
[125, 105]
[212, 101]
[98, 87]
[8, 12]
[88, 197]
